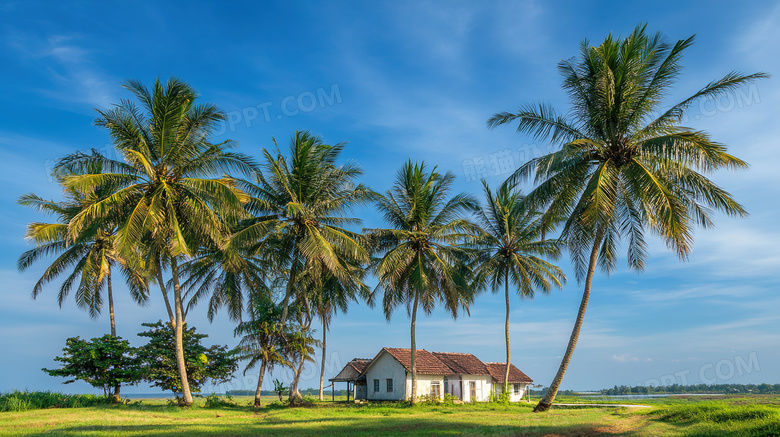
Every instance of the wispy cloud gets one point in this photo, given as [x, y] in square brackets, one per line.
[73, 74]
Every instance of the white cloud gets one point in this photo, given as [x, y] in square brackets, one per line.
[74, 77]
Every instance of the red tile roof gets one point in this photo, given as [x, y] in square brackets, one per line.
[445, 363]
[498, 370]
[352, 371]
[465, 364]
[427, 363]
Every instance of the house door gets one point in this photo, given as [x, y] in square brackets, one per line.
[473, 391]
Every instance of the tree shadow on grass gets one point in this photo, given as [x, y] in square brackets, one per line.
[337, 426]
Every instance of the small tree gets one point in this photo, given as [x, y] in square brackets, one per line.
[105, 362]
[280, 389]
[158, 358]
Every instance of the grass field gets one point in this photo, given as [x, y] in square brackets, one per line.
[721, 416]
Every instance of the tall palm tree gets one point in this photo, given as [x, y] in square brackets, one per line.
[91, 254]
[299, 205]
[422, 259]
[624, 166]
[173, 193]
[512, 248]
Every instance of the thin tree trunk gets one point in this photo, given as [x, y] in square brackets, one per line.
[290, 287]
[294, 393]
[110, 302]
[259, 391]
[110, 292]
[506, 332]
[549, 397]
[322, 364]
[297, 376]
[414, 351]
[179, 328]
[165, 294]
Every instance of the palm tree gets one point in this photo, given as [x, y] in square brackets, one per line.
[298, 205]
[173, 195]
[423, 262]
[263, 339]
[91, 255]
[334, 296]
[511, 248]
[624, 165]
[226, 273]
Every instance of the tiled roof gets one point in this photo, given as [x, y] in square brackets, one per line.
[352, 371]
[465, 364]
[498, 370]
[446, 363]
[360, 364]
[427, 363]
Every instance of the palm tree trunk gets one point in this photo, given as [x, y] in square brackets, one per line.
[161, 282]
[294, 393]
[179, 327]
[290, 287]
[110, 302]
[322, 364]
[414, 351]
[549, 397]
[506, 332]
[259, 391]
[110, 291]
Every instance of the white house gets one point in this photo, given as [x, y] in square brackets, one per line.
[388, 376]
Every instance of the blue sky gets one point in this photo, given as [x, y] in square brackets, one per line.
[399, 80]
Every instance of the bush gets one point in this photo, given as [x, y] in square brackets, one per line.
[214, 401]
[17, 401]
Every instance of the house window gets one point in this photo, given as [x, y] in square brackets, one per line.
[435, 390]
[389, 384]
[517, 389]
[376, 385]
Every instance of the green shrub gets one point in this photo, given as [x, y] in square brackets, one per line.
[214, 401]
[24, 401]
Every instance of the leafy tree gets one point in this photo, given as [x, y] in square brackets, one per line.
[159, 361]
[299, 205]
[625, 166]
[105, 362]
[511, 249]
[172, 196]
[422, 259]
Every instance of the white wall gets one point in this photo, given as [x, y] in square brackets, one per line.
[382, 368]
[482, 384]
[513, 397]
[424, 384]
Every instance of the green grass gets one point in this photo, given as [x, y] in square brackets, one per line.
[729, 416]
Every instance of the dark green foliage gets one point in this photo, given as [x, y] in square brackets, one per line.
[17, 401]
[158, 358]
[695, 388]
[102, 362]
[214, 401]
